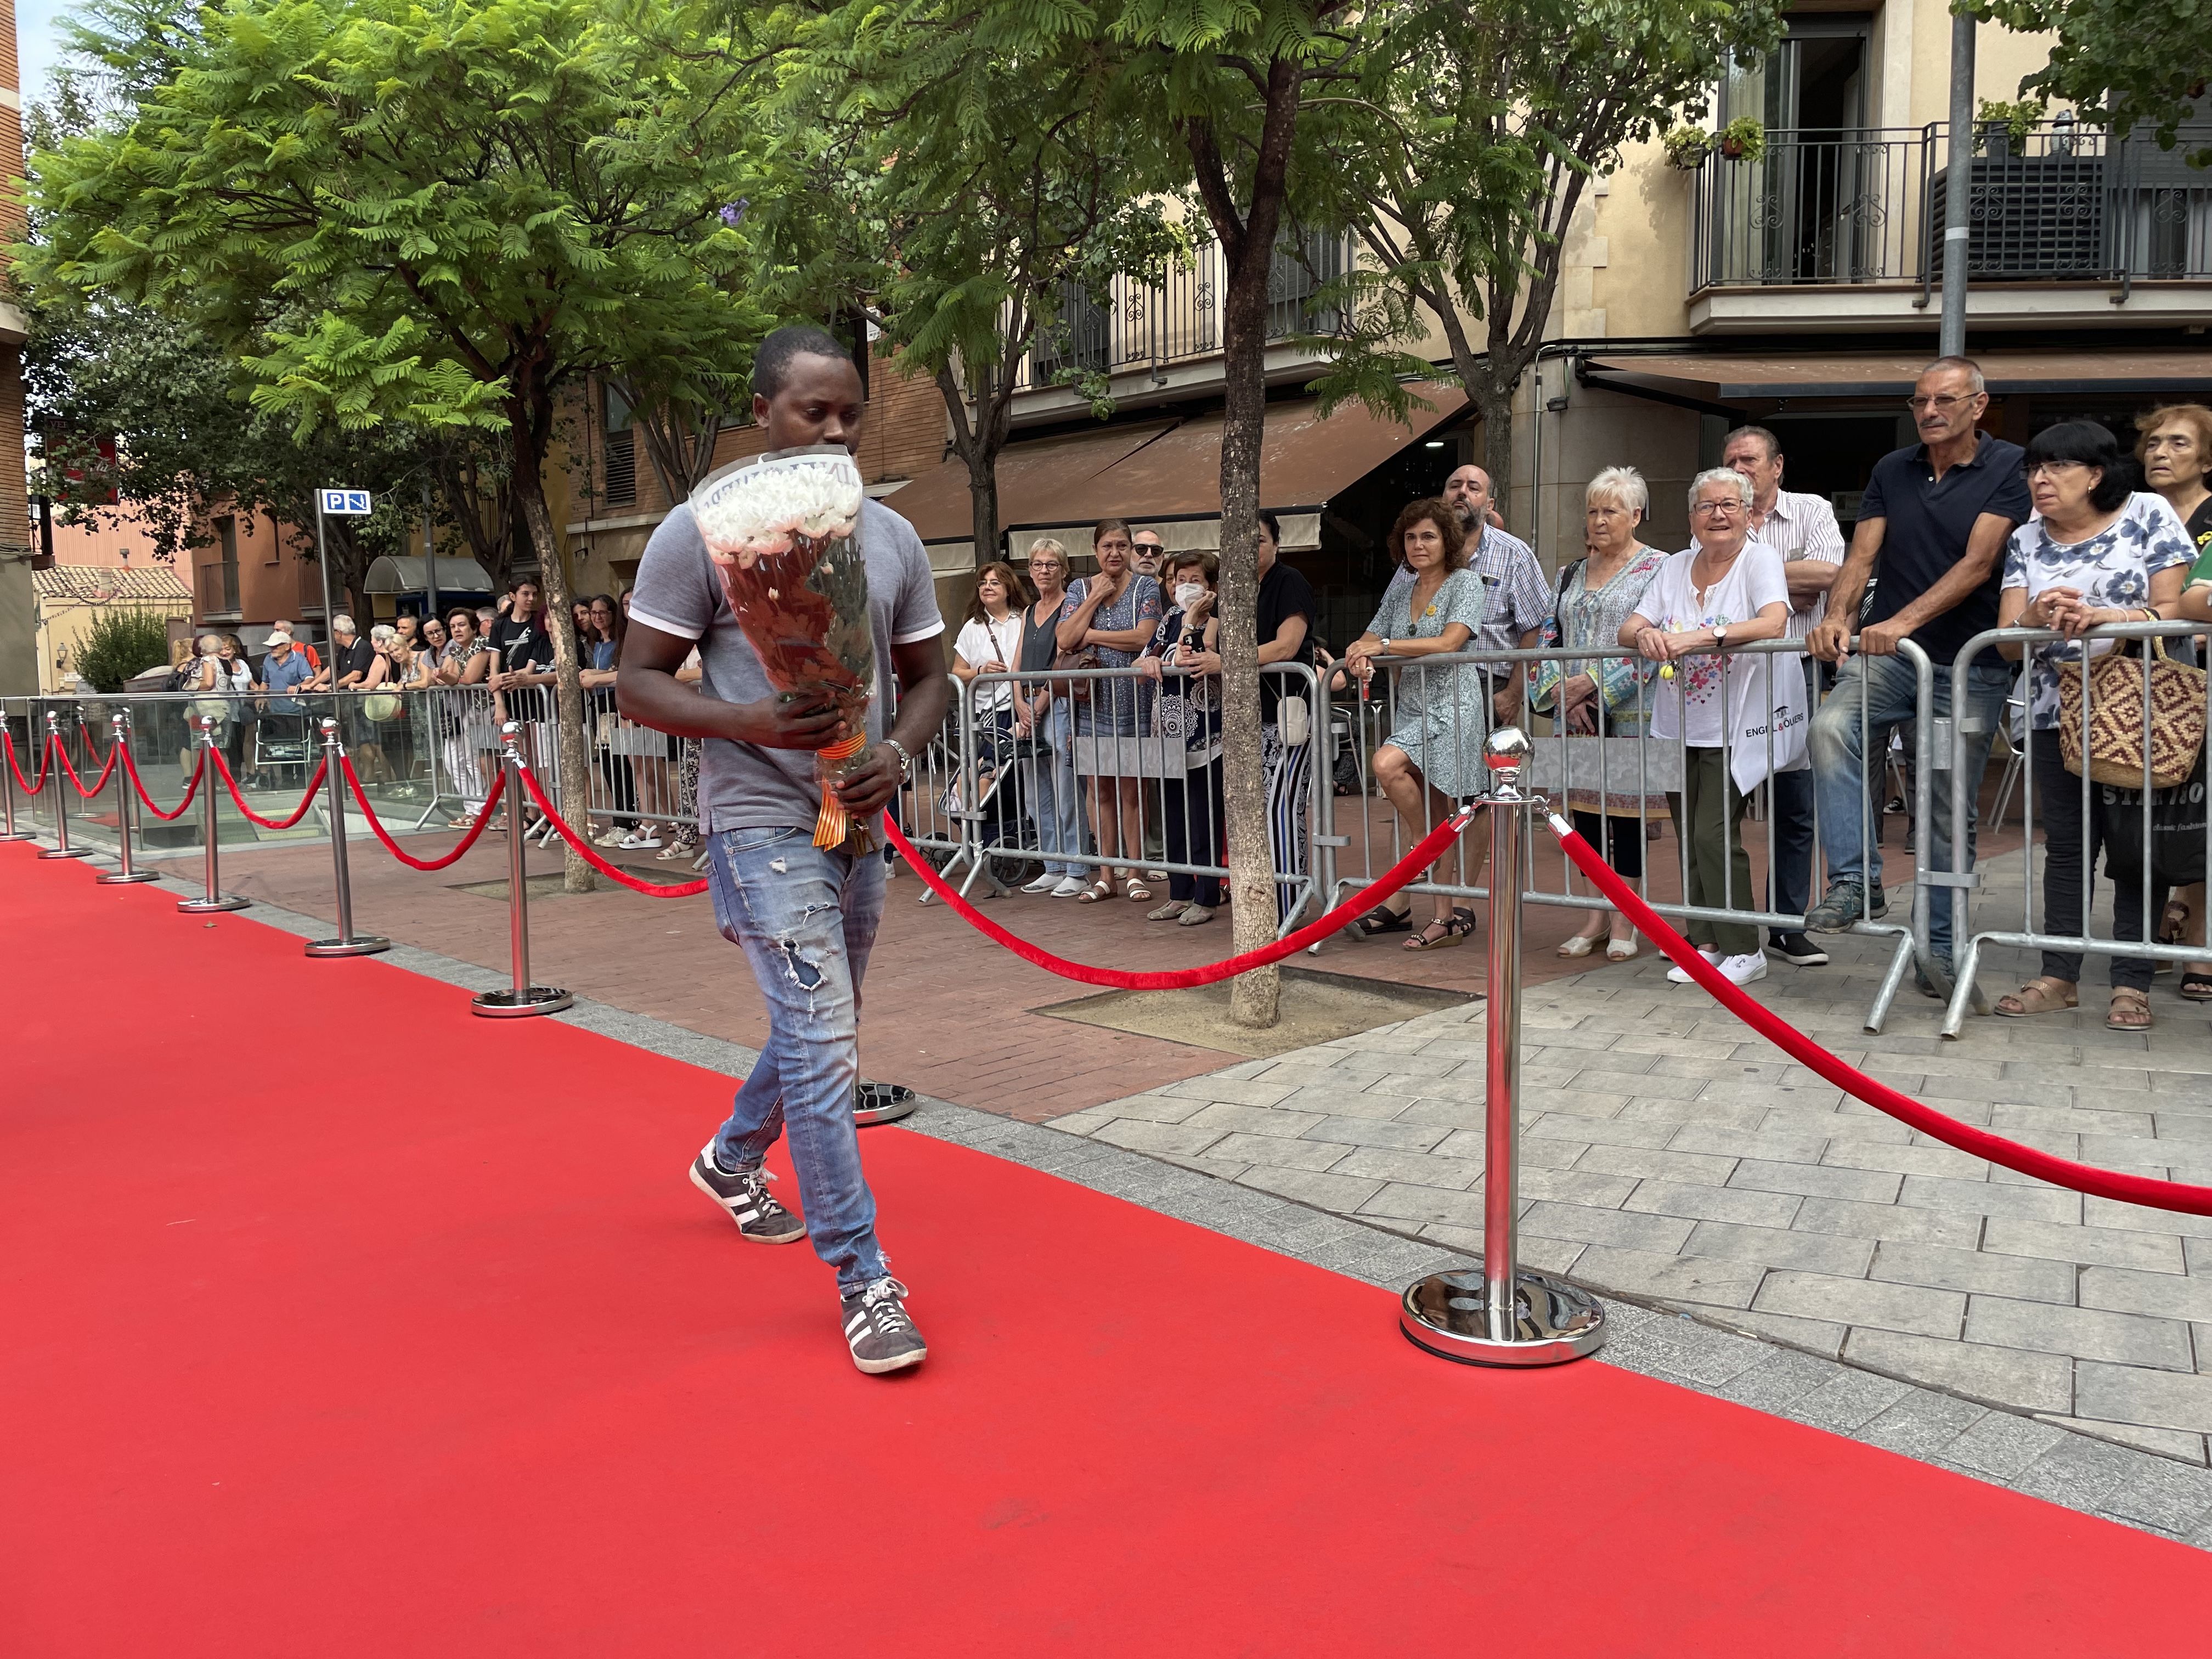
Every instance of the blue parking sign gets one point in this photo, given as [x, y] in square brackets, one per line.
[346, 503]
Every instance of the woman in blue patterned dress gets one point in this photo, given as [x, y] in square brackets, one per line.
[2097, 552]
[1434, 752]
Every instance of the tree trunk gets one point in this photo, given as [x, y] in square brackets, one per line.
[575, 795]
[1249, 251]
[983, 503]
[1495, 404]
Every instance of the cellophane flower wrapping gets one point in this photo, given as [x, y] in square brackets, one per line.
[783, 533]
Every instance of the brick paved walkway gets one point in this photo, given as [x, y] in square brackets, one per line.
[1669, 1154]
[947, 1011]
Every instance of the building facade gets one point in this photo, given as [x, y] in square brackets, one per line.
[18, 656]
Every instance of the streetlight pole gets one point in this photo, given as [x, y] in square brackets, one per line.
[1957, 187]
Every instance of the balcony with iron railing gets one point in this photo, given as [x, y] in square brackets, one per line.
[2060, 206]
[1173, 328]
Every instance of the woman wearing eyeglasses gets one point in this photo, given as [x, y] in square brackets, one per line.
[1725, 589]
[2096, 552]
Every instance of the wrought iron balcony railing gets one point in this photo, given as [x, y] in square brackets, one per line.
[1145, 325]
[2064, 203]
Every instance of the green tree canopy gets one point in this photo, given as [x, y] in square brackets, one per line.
[436, 215]
[2123, 62]
[1479, 126]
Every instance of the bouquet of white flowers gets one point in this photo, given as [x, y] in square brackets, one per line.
[782, 530]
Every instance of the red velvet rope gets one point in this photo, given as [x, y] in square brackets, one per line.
[2010, 1154]
[29, 788]
[590, 854]
[191, 789]
[1433, 846]
[298, 813]
[100, 783]
[483, 822]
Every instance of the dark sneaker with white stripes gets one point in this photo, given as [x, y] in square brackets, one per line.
[883, 1338]
[744, 1194]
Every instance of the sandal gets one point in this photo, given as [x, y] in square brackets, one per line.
[1168, 911]
[1138, 893]
[1579, 944]
[2041, 995]
[1620, 950]
[2130, 1011]
[2195, 986]
[1381, 920]
[1100, 889]
[1456, 928]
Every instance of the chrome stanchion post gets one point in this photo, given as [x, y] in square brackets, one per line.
[61, 849]
[345, 945]
[1506, 1314]
[212, 897]
[522, 998]
[8, 786]
[128, 874]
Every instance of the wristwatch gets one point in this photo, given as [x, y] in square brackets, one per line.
[906, 760]
[1720, 636]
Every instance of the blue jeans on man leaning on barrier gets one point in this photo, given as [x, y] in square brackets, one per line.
[806, 918]
[1841, 778]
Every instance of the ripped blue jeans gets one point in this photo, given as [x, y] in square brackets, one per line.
[806, 918]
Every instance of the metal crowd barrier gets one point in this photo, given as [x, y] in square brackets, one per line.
[1623, 770]
[2093, 801]
[994, 792]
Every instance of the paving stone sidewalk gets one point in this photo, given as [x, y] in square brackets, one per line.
[1669, 1155]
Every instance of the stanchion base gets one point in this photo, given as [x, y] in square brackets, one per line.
[1447, 1314]
[881, 1102]
[195, 906]
[510, 1005]
[369, 946]
[20, 835]
[121, 879]
[66, 853]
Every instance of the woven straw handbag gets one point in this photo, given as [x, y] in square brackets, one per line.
[2116, 720]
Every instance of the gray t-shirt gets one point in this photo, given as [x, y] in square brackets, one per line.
[743, 785]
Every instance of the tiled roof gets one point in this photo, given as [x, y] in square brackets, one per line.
[100, 584]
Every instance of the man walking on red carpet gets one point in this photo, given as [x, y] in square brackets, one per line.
[805, 916]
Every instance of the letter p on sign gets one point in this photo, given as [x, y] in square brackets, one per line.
[346, 503]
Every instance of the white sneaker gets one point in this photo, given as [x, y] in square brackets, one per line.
[1681, 975]
[1741, 970]
[1043, 883]
[1070, 886]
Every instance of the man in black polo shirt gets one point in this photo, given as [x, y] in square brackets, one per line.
[1932, 525]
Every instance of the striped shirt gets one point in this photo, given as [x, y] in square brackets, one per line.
[1801, 527]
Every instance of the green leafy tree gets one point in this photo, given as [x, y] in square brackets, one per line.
[1481, 127]
[994, 188]
[472, 203]
[120, 644]
[2122, 62]
[1230, 82]
[140, 416]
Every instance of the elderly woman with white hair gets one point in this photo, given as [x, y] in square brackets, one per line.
[1603, 697]
[1734, 715]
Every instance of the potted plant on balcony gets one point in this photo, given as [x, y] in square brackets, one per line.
[1743, 139]
[1687, 148]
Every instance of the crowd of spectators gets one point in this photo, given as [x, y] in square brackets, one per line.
[1956, 535]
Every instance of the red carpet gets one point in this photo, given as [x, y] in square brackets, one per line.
[339, 1323]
